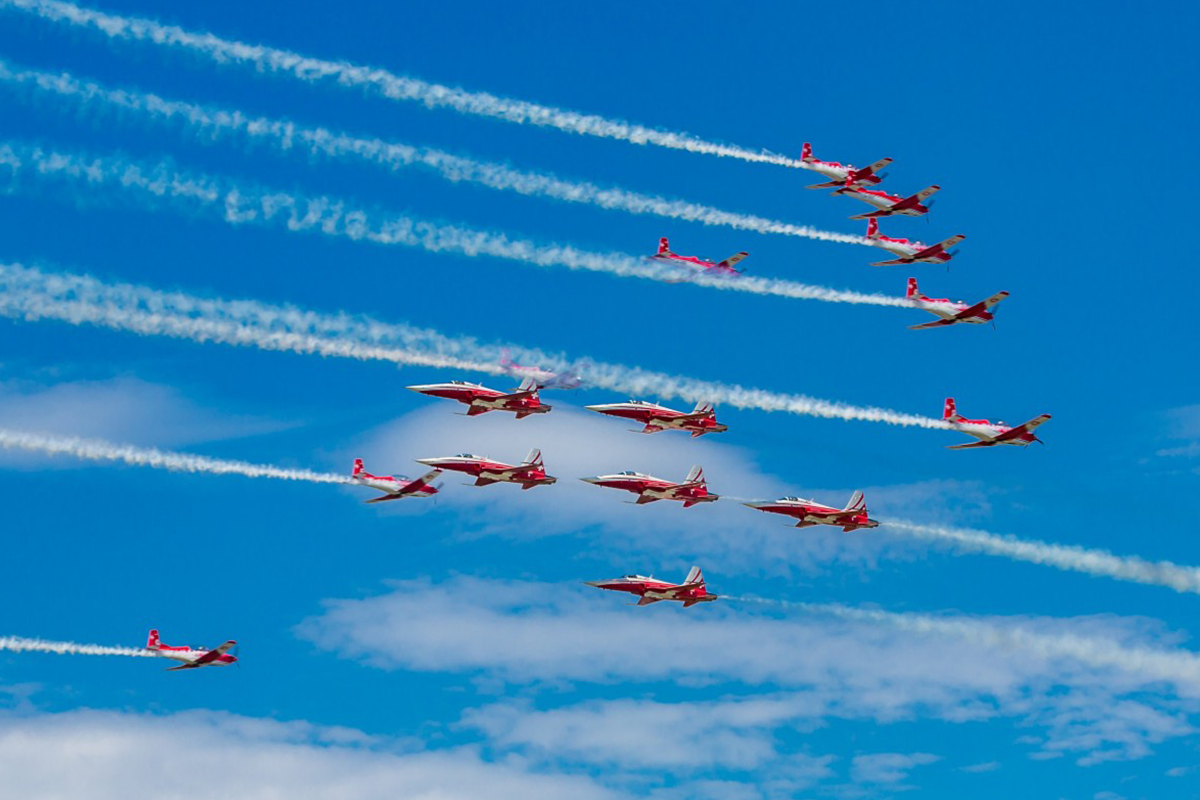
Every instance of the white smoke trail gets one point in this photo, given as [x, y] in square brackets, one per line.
[30, 294]
[18, 644]
[381, 82]
[159, 183]
[1178, 667]
[1065, 557]
[287, 136]
[99, 450]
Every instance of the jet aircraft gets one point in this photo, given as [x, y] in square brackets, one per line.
[888, 204]
[911, 252]
[394, 487]
[951, 312]
[810, 512]
[990, 433]
[648, 488]
[842, 174]
[652, 590]
[725, 267]
[480, 399]
[542, 378]
[529, 473]
[192, 657]
[702, 420]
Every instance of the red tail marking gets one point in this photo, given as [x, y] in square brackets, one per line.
[806, 152]
[663, 246]
[358, 468]
[153, 642]
[872, 228]
[949, 411]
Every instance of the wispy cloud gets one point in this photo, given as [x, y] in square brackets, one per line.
[1063, 676]
[317, 142]
[103, 755]
[379, 81]
[160, 184]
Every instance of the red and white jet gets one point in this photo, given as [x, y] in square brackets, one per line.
[192, 658]
[951, 312]
[529, 473]
[542, 378]
[702, 420]
[725, 267]
[652, 590]
[810, 512]
[480, 399]
[990, 433]
[693, 490]
[911, 252]
[888, 204]
[394, 487]
[842, 174]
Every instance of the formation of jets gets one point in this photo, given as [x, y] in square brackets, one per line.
[192, 657]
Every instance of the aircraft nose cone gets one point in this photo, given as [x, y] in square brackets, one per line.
[590, 480]
[755, 504]
[419, 388]
[429, 462]
[597, 584]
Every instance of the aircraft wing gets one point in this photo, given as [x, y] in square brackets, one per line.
[980, 443]
[214, 654]
[475, 411]
[182, 666]
[883, 212]
[423, 481]
[924, 194]
[894, 262]
[1024, 427]
[878, 165]
[983, 305]
[936, 324]
[645, 601]
[944, 245]
[733, 259]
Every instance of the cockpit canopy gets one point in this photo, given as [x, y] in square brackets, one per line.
[469, 455]
[633, 474]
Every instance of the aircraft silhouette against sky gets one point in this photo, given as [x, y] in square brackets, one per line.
[655, 418]
[911, 251]
[725, 267]
[394, 487]
[192, 657]
[480, 399]
[809, 512]
[529, 473]
[952, 312]
[842, 174]
[991, 433]
[693, 490]
[652, 590]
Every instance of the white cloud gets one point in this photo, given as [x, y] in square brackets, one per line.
[987, 766]
[887, 767]
[122, 409]
[791, 673]
[100, 755]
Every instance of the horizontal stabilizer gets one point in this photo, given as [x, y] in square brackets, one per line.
[939, 323]
[983, 443]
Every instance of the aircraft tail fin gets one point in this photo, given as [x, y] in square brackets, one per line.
[914, 293]
[359, 470]
[534, 458]
[695, 475]
[872, 228]
[806, 152]
[949, 412]
[703, 407]
[733, 260]
[528, 385]
[857, 502]
[152, 641]
[694, 576]
[664, 246]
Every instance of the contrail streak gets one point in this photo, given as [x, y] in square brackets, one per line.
[18, 644]
[30, 294]
[100, 450]
[380, 81]
[158, 184]
[286, 136]
[1179, 667]
[1065, 557]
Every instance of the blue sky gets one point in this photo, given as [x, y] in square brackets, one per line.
[394, 649]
